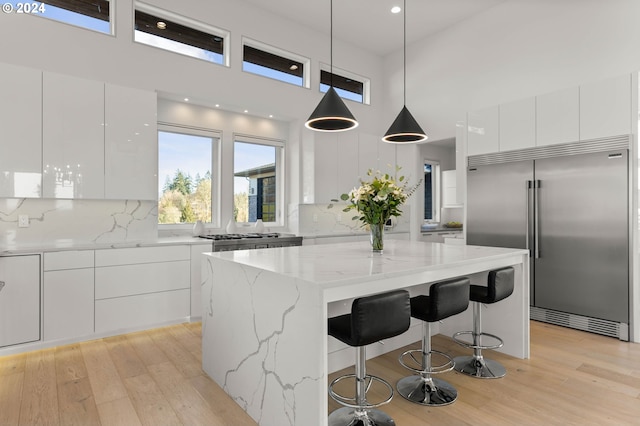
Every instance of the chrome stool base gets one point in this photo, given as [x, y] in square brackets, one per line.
[479, 367]
[353, 417]
[427, 391]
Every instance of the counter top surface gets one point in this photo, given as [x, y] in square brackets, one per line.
[344, 262]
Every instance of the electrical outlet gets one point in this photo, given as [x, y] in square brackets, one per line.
[339, 217]
[23, 221]
[315, 218]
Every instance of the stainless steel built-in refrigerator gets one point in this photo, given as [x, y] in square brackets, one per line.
[568, 204]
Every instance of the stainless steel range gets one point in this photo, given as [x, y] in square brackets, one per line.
[228, 242]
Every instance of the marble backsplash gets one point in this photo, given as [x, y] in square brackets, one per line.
[319, 219]
[76, 221]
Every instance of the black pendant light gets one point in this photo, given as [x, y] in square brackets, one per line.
[331, 114]
[405, 128]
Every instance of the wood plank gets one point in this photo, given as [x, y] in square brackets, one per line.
[12, 364]
[188, 404]
[76, 403]
[40, 398]
[69, 364]
[184, 361]
[119, 412]
[148, 352]
[149, 402]
[103, 375]
[11, 398]
[125, 357]
[188, 340]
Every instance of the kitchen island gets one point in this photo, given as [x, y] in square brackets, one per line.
[264, 318]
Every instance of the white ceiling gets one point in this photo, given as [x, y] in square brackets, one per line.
[370, 25]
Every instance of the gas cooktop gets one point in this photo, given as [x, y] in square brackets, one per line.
[219, 237]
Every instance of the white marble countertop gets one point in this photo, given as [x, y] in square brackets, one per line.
[62, 245]
[354, 262]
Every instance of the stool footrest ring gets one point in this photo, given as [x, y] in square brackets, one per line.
[472, 346]
[351, 402]
[438, 369]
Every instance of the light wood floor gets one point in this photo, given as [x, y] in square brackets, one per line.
[155, 378]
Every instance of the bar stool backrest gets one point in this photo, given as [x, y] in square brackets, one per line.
[448, 298]
[379, 317]
[500, 284]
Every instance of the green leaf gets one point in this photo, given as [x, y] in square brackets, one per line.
[344, 197]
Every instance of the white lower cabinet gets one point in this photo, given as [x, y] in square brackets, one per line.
[68, 294]
[138, 287]
[19, 299]
[196, 278]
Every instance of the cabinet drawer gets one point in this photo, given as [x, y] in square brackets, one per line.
[117, 281]
[129, 256]
[125, 313]
[75, 259]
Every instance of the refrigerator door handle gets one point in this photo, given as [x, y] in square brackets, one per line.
[536, 218]
[528, 210]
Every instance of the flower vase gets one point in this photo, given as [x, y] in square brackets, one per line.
[377, 237]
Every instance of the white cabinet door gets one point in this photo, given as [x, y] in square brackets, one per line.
[449, 190]
[605, 108]
[19, 299]
[131, 144]
[518, 125]
[558, 117]
[68, 303]
[326, 167]
[21, 130]
[482, 131]
[72, 137]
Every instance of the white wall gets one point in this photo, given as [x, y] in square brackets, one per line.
[517, 49]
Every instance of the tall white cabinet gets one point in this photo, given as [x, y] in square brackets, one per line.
[21, 136]
[73, 137]
[19, 299]
[130, 144]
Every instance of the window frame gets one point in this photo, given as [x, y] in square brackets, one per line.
[306, 62]
[436, 180]
[366, 82]
[111, 21]
[216, 142]
[280, 174]
[187, 22]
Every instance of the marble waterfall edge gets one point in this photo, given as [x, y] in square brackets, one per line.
[265, 365]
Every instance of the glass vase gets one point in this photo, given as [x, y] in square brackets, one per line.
[377, 237]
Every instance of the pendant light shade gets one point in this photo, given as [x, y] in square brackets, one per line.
[405, 128]
[331, 114]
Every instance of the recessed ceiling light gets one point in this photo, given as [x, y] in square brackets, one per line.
[161, 25]
[270, 115]
[186, 99]
[396, 9]
[217, 105]
[246, 110]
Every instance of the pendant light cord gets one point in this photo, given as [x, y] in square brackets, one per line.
[404, 12]
[331, 44]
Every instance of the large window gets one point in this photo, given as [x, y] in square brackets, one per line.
[186, 159]
[179, 34]
[268, 61]
[257, 171]
[431, 191]
[91, 14]
[348, 85]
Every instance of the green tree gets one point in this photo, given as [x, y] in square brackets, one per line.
[181, 182]
[188, 215]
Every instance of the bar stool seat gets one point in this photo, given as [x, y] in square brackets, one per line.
[372, 318]
[500, 283]
[445, 299]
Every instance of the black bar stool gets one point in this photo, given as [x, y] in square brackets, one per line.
[372, 319]
[445, 299]
[500, 286]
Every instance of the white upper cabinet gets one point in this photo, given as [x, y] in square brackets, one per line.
[482, 131]
[21, 130]
[326, 167]
[73, 137]
[518, 125]
[131, 144]
[558, 117]
[449, 189]
[605, 108]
